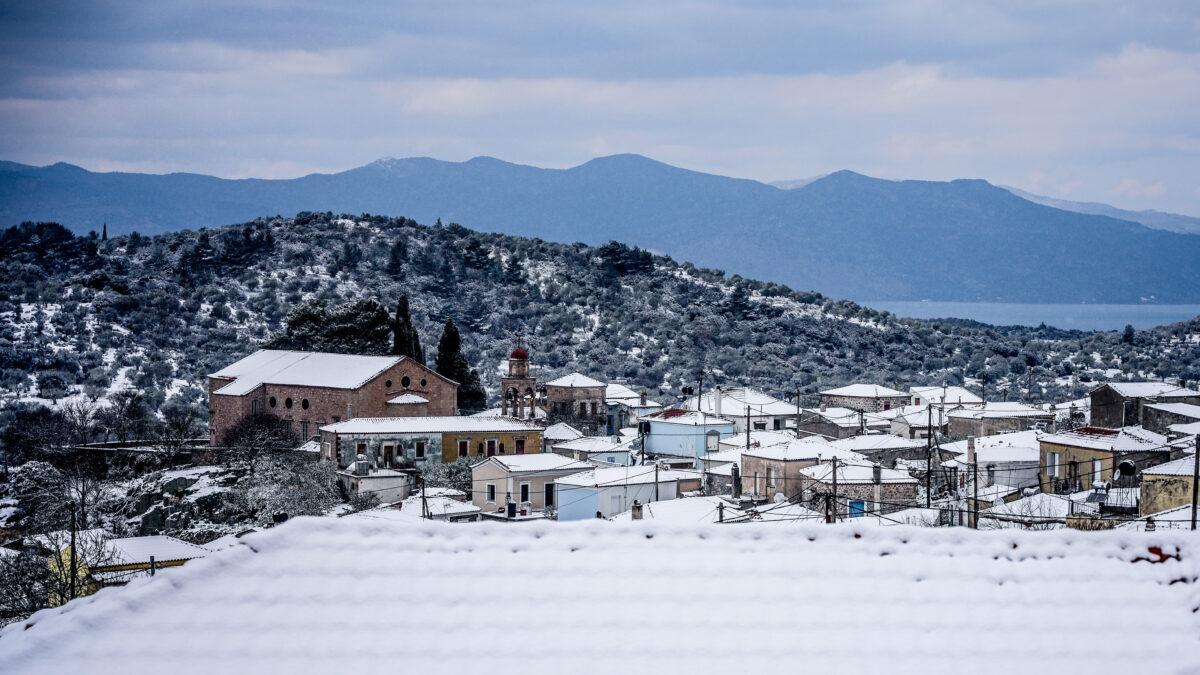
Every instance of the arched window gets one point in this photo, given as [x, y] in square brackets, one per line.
[287, 402]
[304, 403]
[272, 401]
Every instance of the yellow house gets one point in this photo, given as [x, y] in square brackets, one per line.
[1073, 460]
[401, 442]
[1167, 486]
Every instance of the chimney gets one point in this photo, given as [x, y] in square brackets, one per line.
[637, 510]
[716, 401]
[876, 473]
[737, 481]
[823, 408]
[970, 449]
[877, 478]
[642, 399]
[361, 466]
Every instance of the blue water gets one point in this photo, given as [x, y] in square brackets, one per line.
[1081, 317]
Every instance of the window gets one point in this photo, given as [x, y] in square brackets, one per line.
[1052, 464]
[304, 403]
[362, 448]
[771, 477]
[712, 440]
[336, 419]
[549, 494]
[420, 449]
[502, 448]
[271, 401]
[491, 447]
[610, 459]
[520, 446]
[463, 446]
[253, 407]
[328, 451]
[404, 382]
[287, 402]
[491, 493]
[423, 383]
[1097, 470]
[593, 408]
[760, 426]
[304, 430]
[583, 409]
[480, 453]
[387, 384]
[778, 424]
[757, 484]
[524, 492]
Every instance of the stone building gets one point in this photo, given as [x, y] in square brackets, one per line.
[1167, 486]
[1160, 417]
[777, 469]
[861, 489]
[998, 418]
[1073, 460]
[1119, 404]
[518, 391]
[864, 397]
[309, 389]
[578, 400]
[409, 442]
[838, 422]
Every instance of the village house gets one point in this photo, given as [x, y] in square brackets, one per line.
[756, 439]
[913, 422]
[947, 397]
[361, 479]
[739, 404]
[864, 397]
[578, 400]
[598, 449]
[997, 418]
[684, 434]
[557, 433]
[1160, 417]
[1073, 460]
[883, 448]
[776, 469]
[1012, 459]
[862, 489]
[608, 492]
[1119, 404]
[408, 442]
[517, 487]
[1167, 485]
[623, 406]
[309, 389]
[837, 422]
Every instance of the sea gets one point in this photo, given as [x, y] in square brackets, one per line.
[1079, 317]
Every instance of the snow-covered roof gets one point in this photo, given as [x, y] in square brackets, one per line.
[410, 510]
[1149, 389]
[863, 391]
[1127, 439]
[758, 438]
[547, 461]
[575, 380]
[855, 473]
[592, 443]
[429, 425]
[876, 443]
[919, 416]
[316, 595]
[949, 395]
[1190, 429]
[735, 399]
[1182, 409]
[686, 418]
[1017, 446]
[132, 550]
[630, 475]
[723, 456]
[561, 432]
[1180, 467]
[1178, 518]
[619, 393]
[798, 449]
[406, 399]
[1000, 410]
[311, 369]
[849, 418]
[538, 413]
[1035, 507]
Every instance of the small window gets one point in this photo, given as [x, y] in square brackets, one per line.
[304, 403]
[304, 430]
[271, 401]
[491, 493]
[462, 448]
[253, 407]
[420, 449]
[480, 453]
[404, 382]
[502, 448]
[387, 384]
[287, 402]
[1052, 464]
[857, 509]
[524, 492]
[422, 383]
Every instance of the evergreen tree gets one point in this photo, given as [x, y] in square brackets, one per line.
[396, 257]
[405, 340]
[452, 363]
[104, 236]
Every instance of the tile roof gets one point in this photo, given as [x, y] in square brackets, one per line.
[405, 399]
[1182, 409]
[950, 395]
[1149, 389]
[561, 432]
[863, 391]
[1128, 439]
[1180, 467]
[686, 417]
[804, 448]
[362, 595]
[429, 425]
[575, 380]
[310, 369]
[856, 473]
[735, 399]
[546, 461]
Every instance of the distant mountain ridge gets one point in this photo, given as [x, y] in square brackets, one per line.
[1158, 220]
[844, 235]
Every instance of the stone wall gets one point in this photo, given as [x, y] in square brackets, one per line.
[865, 403]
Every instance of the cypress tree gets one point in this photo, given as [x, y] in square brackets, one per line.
[405, 340]
[450, 353]
[104, 236]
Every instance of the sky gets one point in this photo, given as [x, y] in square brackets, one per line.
[1094, 101]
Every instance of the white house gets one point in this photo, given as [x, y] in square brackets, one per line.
[686, 434]
[611, 491]
[733, 403]
[360, 478]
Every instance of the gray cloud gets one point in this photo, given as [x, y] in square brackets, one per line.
[1063, 98]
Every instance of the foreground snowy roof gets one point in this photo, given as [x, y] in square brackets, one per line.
[429, 425]
[363, 595]
[312, 369]
[863, 391]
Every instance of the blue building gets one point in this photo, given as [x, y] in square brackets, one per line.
[685, 433]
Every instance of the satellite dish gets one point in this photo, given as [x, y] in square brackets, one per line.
[779, 498]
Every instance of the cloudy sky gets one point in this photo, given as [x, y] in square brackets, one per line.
[1085, 101]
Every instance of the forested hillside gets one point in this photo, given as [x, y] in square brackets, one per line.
[153, 315]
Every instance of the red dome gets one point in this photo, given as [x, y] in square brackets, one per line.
[519, 353]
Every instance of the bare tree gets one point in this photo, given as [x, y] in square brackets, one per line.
[24, 584]
[180, 426]
[79, 416]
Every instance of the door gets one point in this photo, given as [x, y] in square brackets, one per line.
[524, 492]
[491, 448]
[549, 494]
[388, 452]
[520, 446]
[614, 505]
[857, 510]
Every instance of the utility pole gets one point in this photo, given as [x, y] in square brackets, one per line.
[656, 480]
[747, 427]
[797, 415]
[720, 512]
[929, 459]
[1195, 479]
[835, 504]
[975, 499]
[74, 569]
[424, 502]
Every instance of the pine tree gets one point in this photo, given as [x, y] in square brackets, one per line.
[450, 353]
[104, 236]
[405, 340]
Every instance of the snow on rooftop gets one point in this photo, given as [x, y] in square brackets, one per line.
[312, 369]
[876, 443]
[429, 425]
[1182, 409]
[734, 401]
[628, 475]
[757, 438]
[538, 413]
[365, 595]
[1127, 439]
[686, 417]
[1192, 429]
[863, 391]
[855, 473]
[1017, 446]
[952, 395]
[561, 432]
[1180, 467]
[130, 550]
[804, 449]
[575, 380]
[1000, 410]
[548, 461]
[1149, 389]
[405, 399]
[619, 393]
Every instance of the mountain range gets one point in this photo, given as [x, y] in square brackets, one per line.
[844, 234]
